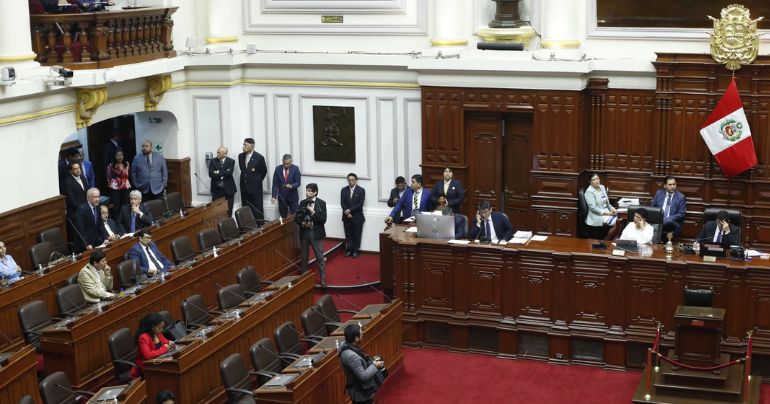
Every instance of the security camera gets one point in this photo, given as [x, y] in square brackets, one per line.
[59, 77]
[63, 72]
[7, 76]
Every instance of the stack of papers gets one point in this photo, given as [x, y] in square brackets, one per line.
[626, 202]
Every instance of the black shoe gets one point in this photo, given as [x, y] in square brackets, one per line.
[347, 253]
[355, 255]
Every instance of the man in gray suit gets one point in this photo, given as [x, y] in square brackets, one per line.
[362, 372]
[149, 173]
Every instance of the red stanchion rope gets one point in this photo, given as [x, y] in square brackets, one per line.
[702, 368]
[656, 344]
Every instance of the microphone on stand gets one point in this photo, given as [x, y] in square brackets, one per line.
[83, 239]
[264, 217]
[357, 307]
[77, 394]
[373, 288]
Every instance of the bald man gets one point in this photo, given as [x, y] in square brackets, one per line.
[149, 173]
[222, 182]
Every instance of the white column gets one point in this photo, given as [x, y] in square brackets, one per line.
[449, 22]
[15, 39]
[224, 21]
[560, 24]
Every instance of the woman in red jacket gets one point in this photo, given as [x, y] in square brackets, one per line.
[150, 342]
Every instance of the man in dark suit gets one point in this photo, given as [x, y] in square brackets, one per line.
[135, 215]
[222, 182]
[73, 186]
[720, 231]
[109, 228]
[111, 147]
[147, 254]
[451, 189]
[311, 217]
[286, 180]
[415, 198]
[395, 196]
[71, 155]
[491, 226]
[89, 222]
[352, 200]
[149, 173]
[253, 171]
[674, 207]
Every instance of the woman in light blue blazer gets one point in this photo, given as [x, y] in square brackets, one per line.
[600, 211]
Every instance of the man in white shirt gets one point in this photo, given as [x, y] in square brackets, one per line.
[639, 230]
[147, 254]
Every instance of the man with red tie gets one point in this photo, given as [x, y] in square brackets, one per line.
[286, 181]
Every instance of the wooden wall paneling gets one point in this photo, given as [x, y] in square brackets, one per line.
[179, 178]
[442, 127]
[597, 97]
[484, 284]
[483, 131]
[629, 139]
[589, 280]
[433, 283]
[756, 292]
[517, 164]
[645, 299]
[535, 290]
[557, 126]
[19, 228]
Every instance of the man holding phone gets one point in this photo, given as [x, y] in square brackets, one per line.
[720, 231]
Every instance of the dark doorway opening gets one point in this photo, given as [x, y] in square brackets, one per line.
[99, 134]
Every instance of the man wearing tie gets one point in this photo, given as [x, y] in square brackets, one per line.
[147, 254]
[491, 226]
[352, 200]
[89, 221]
[720, 231]
[311, 217]
[135, 215]
[286, 180]
[253, 171]
[149, 173]
[222, 182]
[449, 188]
[674, 206]
[415, 198]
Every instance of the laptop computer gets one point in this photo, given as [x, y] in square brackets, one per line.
[435, 227]
[627, 245]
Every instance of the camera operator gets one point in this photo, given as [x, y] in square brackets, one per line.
[311, 217]
[364, 375]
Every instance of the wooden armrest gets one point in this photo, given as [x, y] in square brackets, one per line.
[334, 324]
[250, 393]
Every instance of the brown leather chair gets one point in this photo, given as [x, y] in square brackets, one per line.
[209, 238]
[73, 279]
[40, 254]
[314, 324]
[237, 380]
[228, 229]
[194, 312]
[266, 361]
[51, 393]
[156, 207]
[55, 236]
[331, 313]
[182, 249]
[166, 316]
[245, 218]
[173, 201]
[123, 353]
[128, 272]
[230, 296]
[70, 300]
[288, 341]
[33, 317]
[249, 279]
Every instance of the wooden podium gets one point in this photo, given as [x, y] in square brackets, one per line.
[697, 343]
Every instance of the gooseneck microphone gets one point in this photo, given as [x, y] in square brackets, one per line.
[83, 239]
[373, 288]
[78, 395]
[357, 307]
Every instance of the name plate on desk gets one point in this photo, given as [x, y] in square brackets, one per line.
[709, 258]
[619, 253]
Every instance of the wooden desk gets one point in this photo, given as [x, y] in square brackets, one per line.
[561, 301]
[80, 348]
[34, 287]
[325, 383]
[193, 373]
[134, 393]
[18, 378]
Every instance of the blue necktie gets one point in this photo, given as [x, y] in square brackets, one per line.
[487, 231]
[668, 206]
[719, 237]
[133, 222]
[96, 216]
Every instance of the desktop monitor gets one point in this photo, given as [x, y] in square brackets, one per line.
[435, 227]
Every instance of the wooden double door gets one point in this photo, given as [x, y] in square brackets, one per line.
[499, 163]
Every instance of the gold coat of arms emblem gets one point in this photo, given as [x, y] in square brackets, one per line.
[735, 41]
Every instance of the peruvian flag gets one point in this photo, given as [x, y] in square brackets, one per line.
[727, 134]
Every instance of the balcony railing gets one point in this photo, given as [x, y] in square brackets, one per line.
[103, 39]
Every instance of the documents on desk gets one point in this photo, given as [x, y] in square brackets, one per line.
[463, 242]
[410, 229]
[626, 202]
[539, 238]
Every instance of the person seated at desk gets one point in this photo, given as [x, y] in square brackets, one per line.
[95, 279]
[600, 211]
[415, 198]
[135, 215]
[150, 341]
[9, 271]
[639, 230]
[674, 206]
[491, 226]
[146, 252]
[719, 231]
[109, 229]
